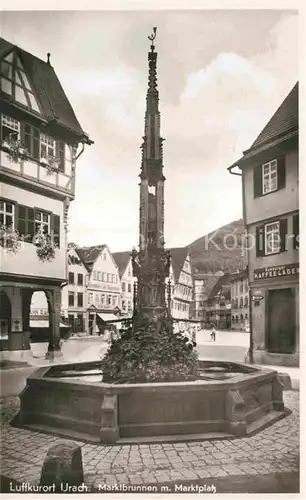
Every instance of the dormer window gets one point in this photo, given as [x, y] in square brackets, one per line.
[15, 82]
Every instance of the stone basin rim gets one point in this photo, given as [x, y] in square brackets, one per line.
[110, 413]
[41, 375]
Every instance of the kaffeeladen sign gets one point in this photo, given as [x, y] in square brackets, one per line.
[276, 271]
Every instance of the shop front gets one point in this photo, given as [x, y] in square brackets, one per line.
[275, 315]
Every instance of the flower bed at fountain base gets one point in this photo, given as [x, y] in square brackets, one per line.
[227, 400]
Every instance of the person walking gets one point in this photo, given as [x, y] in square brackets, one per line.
[213, 333]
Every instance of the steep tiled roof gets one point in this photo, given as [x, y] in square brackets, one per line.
[122, 259]
[222, 281]
[52, 98]
[284, 120]
[89, 255]
[178, 257]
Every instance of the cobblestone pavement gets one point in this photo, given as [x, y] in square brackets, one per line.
[273, 450]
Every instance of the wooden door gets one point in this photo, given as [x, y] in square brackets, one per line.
[281, 321]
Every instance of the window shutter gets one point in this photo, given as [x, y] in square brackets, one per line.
[21, 218]
[296, 231]
[281, 172]
[30, 137]
[30, 223]
[27, 138]
[25, 222]
[22, 132]
[60, 152]
[16, 216]
[36, 136]
[257, 179]
[283, 230]
[55, 229]
[260, 241]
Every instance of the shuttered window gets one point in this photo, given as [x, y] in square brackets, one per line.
[269, 177]
[271, 238]
[28, 223]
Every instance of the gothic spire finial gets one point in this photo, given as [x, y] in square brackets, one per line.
[152, 64]
[152, 38]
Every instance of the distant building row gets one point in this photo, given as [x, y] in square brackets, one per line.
[222, 299]
[100, 288]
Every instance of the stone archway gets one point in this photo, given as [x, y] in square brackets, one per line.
[54, 309]
[5, 315]
[46, 307]
[26, 308]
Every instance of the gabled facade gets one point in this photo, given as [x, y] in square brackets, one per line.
[203, 283]
[240, 301]
[40, 140]
[270, 185]
[74, 294]
[104, 287]
[124, 264]
[181, 284]
[218, 304]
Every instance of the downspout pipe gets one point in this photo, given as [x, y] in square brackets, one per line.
[251, 347]
[81, 152]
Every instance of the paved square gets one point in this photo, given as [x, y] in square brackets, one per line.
[273, 450]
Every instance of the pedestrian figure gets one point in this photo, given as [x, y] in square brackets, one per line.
[194, 336]
[213, 334]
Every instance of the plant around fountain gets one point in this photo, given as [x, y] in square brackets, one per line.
[150, 352]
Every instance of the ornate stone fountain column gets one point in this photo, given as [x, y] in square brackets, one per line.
[152, 262]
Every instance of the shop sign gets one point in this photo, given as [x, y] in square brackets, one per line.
[43, 312]
[276, 271]
[39, 312]
[104, 287]
[257, 295]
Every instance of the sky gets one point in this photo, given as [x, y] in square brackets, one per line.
[221, 76]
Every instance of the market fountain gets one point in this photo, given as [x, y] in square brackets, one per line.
[159, 390]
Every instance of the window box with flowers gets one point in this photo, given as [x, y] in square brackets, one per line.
[15, 149]
[10, 239]
[51, 163]
[45, 246]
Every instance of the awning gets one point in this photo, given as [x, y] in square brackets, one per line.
[107, 317]
[40, 323]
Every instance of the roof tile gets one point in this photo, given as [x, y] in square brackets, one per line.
[284, 120]
[88, 255]
[122, 259]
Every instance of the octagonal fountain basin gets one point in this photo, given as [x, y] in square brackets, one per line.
[228, 399]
